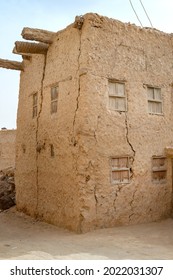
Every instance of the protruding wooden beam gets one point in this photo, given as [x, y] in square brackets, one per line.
[79, 20]
[31, 48]
[39, 35]
[9, 64]
[24, 56]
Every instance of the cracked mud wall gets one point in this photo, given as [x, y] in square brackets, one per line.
[72, 188]
[26, 142]
[58, 175]
[7, 148]
[138, 57]
[48, 185]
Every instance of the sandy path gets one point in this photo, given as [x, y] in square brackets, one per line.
[21, 237]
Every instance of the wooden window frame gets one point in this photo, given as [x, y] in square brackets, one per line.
[154, 100]
[35, 105]
[157, 169]
[116, 96]
[120, 170]
[54, 99]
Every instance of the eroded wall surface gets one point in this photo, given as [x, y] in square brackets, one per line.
[47, 184]
[7, 148]
[138, 57]
[72, 187]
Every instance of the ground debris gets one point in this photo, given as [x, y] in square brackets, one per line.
[7, 189]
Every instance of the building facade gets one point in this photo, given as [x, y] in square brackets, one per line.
[94, 125]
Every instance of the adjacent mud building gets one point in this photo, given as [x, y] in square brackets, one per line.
[7, 148]
[95, 124]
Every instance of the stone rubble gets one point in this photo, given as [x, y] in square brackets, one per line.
[7, 189]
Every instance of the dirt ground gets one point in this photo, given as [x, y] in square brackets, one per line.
[21, 237]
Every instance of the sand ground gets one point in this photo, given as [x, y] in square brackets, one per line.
[21, 237]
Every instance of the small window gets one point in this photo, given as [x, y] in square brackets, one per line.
[117, 98]
[35, 101]
[54, 99]
[154, 100]
[120, 170]
[159, 169]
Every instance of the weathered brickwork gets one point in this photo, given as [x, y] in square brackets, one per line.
[7, 148]
[66, 162]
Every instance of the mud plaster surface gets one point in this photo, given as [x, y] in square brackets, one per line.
[7, 148]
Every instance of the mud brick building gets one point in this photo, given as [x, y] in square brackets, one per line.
[95, 124]
[7, 148]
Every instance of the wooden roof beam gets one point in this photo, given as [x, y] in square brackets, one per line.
[24, 55]
[31, 48]
[9, 64]
[39, 35]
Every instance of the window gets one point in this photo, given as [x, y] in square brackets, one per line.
[159, 169]
[35, 101]
[154, 100]
[54, 99]
[117, 98]
[120, 170]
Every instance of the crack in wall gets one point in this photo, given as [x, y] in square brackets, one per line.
[116, 195]
[89, 169]
[74, 141]
[130, 144]
[76, 158]
[114, 202]
[81, 219]
[131, 204]
[39, 146]
[127, 136]
[95, 197]
[95, 136]
[79, 88]
[95, 131]
[134, 152]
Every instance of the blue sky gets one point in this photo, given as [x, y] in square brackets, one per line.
[54, 15]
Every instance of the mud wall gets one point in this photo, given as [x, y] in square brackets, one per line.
[7, 148]
[47, 184]
[138, 57]
[72, 186]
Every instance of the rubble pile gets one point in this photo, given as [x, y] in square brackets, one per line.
[7, 189]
